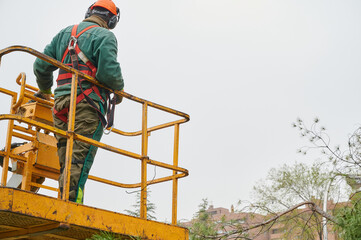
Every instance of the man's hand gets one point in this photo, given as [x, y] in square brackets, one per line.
[45, 96]
[118, 98]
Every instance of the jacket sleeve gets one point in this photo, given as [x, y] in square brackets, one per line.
[108, 70]
[44, 71]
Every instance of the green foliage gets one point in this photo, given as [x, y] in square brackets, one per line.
[104, 236]
[150, 207]
[349, 219]
[347, 163]
[111, 236]
[202, 224]
[290, 185]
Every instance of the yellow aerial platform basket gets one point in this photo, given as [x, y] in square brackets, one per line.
[24, 214]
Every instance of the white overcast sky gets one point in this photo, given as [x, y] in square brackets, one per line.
[243, 70]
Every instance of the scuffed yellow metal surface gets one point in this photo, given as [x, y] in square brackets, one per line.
[50, 210]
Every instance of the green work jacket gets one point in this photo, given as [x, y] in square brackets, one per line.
[98, 44]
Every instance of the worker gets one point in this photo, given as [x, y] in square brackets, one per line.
[91, 48]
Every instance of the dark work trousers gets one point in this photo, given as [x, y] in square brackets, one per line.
[87, 123]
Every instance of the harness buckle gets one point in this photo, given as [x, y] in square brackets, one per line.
[72, 43]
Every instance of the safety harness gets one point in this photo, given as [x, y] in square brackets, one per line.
[89, 69]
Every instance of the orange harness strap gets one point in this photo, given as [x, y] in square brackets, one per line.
[66, 78]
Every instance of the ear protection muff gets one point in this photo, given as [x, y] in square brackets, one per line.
[112, 19]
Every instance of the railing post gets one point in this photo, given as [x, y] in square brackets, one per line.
[175, 180]
[4, 174]
[70, 140]
[143, 194]
[28, 170]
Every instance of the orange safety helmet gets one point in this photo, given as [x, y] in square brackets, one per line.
[107, 4]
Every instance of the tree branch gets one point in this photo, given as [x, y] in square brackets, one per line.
[313, 207]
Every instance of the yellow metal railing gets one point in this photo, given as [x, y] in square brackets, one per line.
[177, 172]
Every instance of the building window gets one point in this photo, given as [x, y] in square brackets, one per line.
[212, 212]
